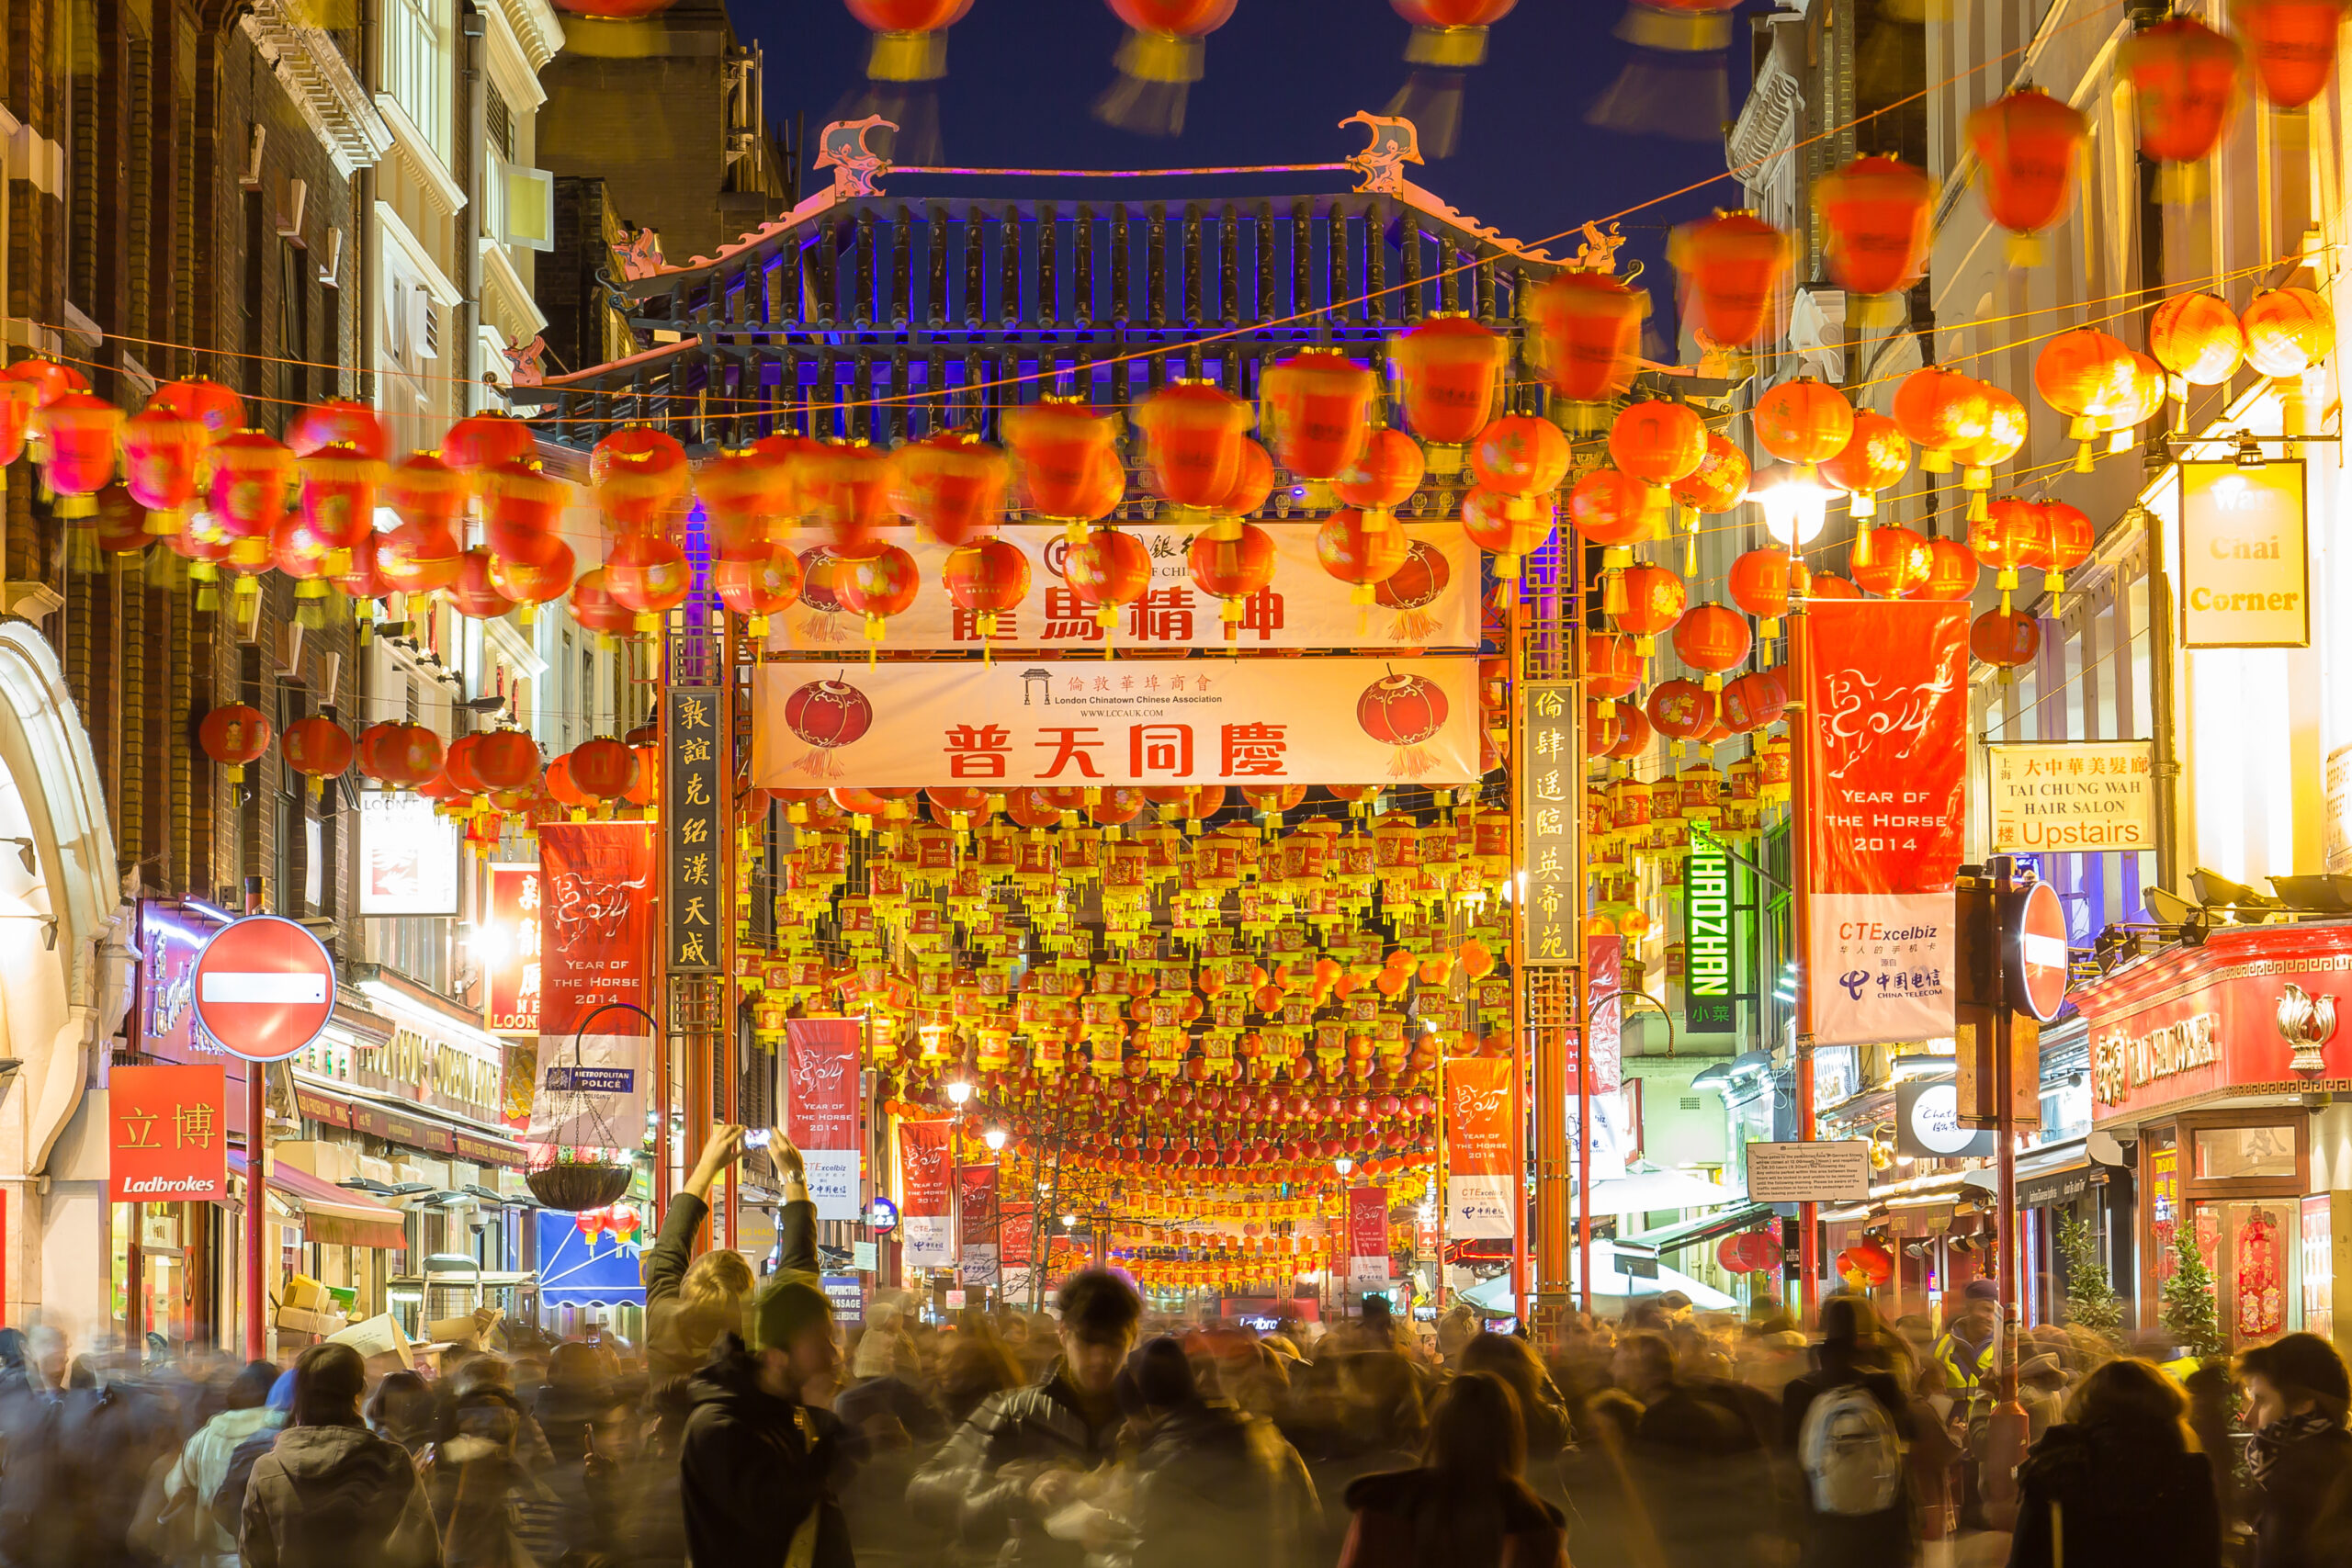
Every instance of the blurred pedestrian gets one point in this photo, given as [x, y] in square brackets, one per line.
[196, 1475]
[2120, 1483]
[1207, 1480]
[1849, 1422]
[2298, 1464]
[329, 1494]
[690, 1300]
[1468, 1505]
[1965, 1348]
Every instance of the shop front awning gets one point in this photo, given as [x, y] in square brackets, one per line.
[333, 1217]
[1707, 1227]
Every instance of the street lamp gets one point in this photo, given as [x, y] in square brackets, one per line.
[994, 1138]
[1794, 505]
[958, 1092]
[1343, 1165]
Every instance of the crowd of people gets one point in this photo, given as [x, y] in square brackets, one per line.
[749, 1428]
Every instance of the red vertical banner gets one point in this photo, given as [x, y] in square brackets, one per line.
[1886, 732]
[1368, 1238]
[596, 963]
[926, 1200]
[822, 1079]
[167, 1136]
[1604, 1022]
[976, 1222]
[1481, 1150]
[512, 971]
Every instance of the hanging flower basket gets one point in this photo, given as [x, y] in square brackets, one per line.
[578, 1180]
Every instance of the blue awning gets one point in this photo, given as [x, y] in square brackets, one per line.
[581, 1270]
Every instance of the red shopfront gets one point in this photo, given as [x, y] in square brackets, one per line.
[2213, 1062]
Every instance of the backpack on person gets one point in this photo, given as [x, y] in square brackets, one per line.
[1852, 1459]
[228, 1500]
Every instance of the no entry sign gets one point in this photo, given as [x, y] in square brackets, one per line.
[265, 988]
[2038, 956]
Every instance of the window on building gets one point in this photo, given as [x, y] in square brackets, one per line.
[498, 121]
[417, 67]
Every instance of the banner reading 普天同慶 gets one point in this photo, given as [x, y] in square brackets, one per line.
[1886, 728]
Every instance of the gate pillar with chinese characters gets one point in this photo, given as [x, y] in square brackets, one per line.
[698, 894]
[1548, 809]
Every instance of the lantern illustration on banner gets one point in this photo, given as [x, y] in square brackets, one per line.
[1411, 588]
[1403, 711]
[826, 715]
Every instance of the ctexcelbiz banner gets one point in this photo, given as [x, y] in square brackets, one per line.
[1481, 1150]
[925, 1203]
[822, 1085]
[595, 955]
[1887, 756]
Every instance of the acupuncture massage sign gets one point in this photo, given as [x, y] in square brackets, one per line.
[1887, 732]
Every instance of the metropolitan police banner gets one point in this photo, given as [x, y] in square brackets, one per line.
[1433, 602]
[595, 948]
[1886, 728]
[1195, 721]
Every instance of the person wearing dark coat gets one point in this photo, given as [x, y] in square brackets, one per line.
[331, 1494]
[1028, 1453]
[1467, 1505]
[1852, 1354]
[2120, 1483]
[2298, 1464]
[1208, 1479]
[758, 1462]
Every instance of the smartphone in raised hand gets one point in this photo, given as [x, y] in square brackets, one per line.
[756, 1138]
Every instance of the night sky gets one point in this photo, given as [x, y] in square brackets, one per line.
[1024, 74]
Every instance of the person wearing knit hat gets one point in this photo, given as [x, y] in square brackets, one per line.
[2299, 1463]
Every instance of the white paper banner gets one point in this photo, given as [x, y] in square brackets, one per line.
[593, 1096]
[832, 1184]
[1478, 1207]
[1883, 966]
[1433, 602]
[927, 1241]
[1368, 1273]
[977, 1266]
[1241, 721]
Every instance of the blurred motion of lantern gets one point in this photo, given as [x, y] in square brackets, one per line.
[1193, 433]
[1876, 211]
[638, 474]
[1588, 332]
[1449, 37]
[1059, 446]
[1875, 456]
[1447, 370]
[2005, 431]
[1941, 411]
[161, 448]
[2005, 639]
[909, 36]
[951, 485]
[76, 434]
[1159, 61]
[2183, 78]
[2197, 340]
[2292, 43]
[1314, 405]
[2287, 330]
[1735, 270]
[1674, 82]
[2028, 146]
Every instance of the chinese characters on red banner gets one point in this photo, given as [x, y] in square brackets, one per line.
[1482, 1149]
[595, 950]
[692, 808]
[1368, 1238]
[1885, 722]
[925, 1205]
[820, 1106]
[512, 968]
[167, 1135]
[976, 1222]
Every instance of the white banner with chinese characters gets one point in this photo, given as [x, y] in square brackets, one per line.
[2061, 796]
[1242, 721]
[1433, 602]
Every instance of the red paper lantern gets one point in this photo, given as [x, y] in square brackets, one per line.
[1449, 32]
[1754, 700]
[1612, 664]
[1658, 441]
[757, 588]
[401, 755]
[339, 496]
[879, 586]
[234, 735]
[2292, 44]
[2004, 637]
[593, 606]
[1384, 475]
[1681, 711]
[1654, 598]
[418, 558]
[475, 592]
[1587, 330]
[985, 578]
[2005, 433]
[2197, 339]
[205, 401]
[2184, 79]
[1315, 407]
[1361, 548]
[845, 487]
[908, 42]
[503, 759]
[2066, 539]
[1711, 639]
[1876, 455]
[1608, 507]
[2087, 376]
[602, 769]
[1520, 456]
[2028, 146]
[1942, 412]
[1720, 481]
[250, 475]
[1735, 269]
[1758, 583]
[317, 748]
[539, 578]
[76, 434]
[1232, 569]
[1876, 212]
[1060, 448]
[1448, 369]
[746, 496]
[1509, 527]
[426, 491]
[1803, 422]
[1821, 585]
[2287, 330]
[1953, 571]
[647, 574]
[1193, 432]
[338, 422]
[486, 439]
[1890, 562]
[20, 399]
[160, 449]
